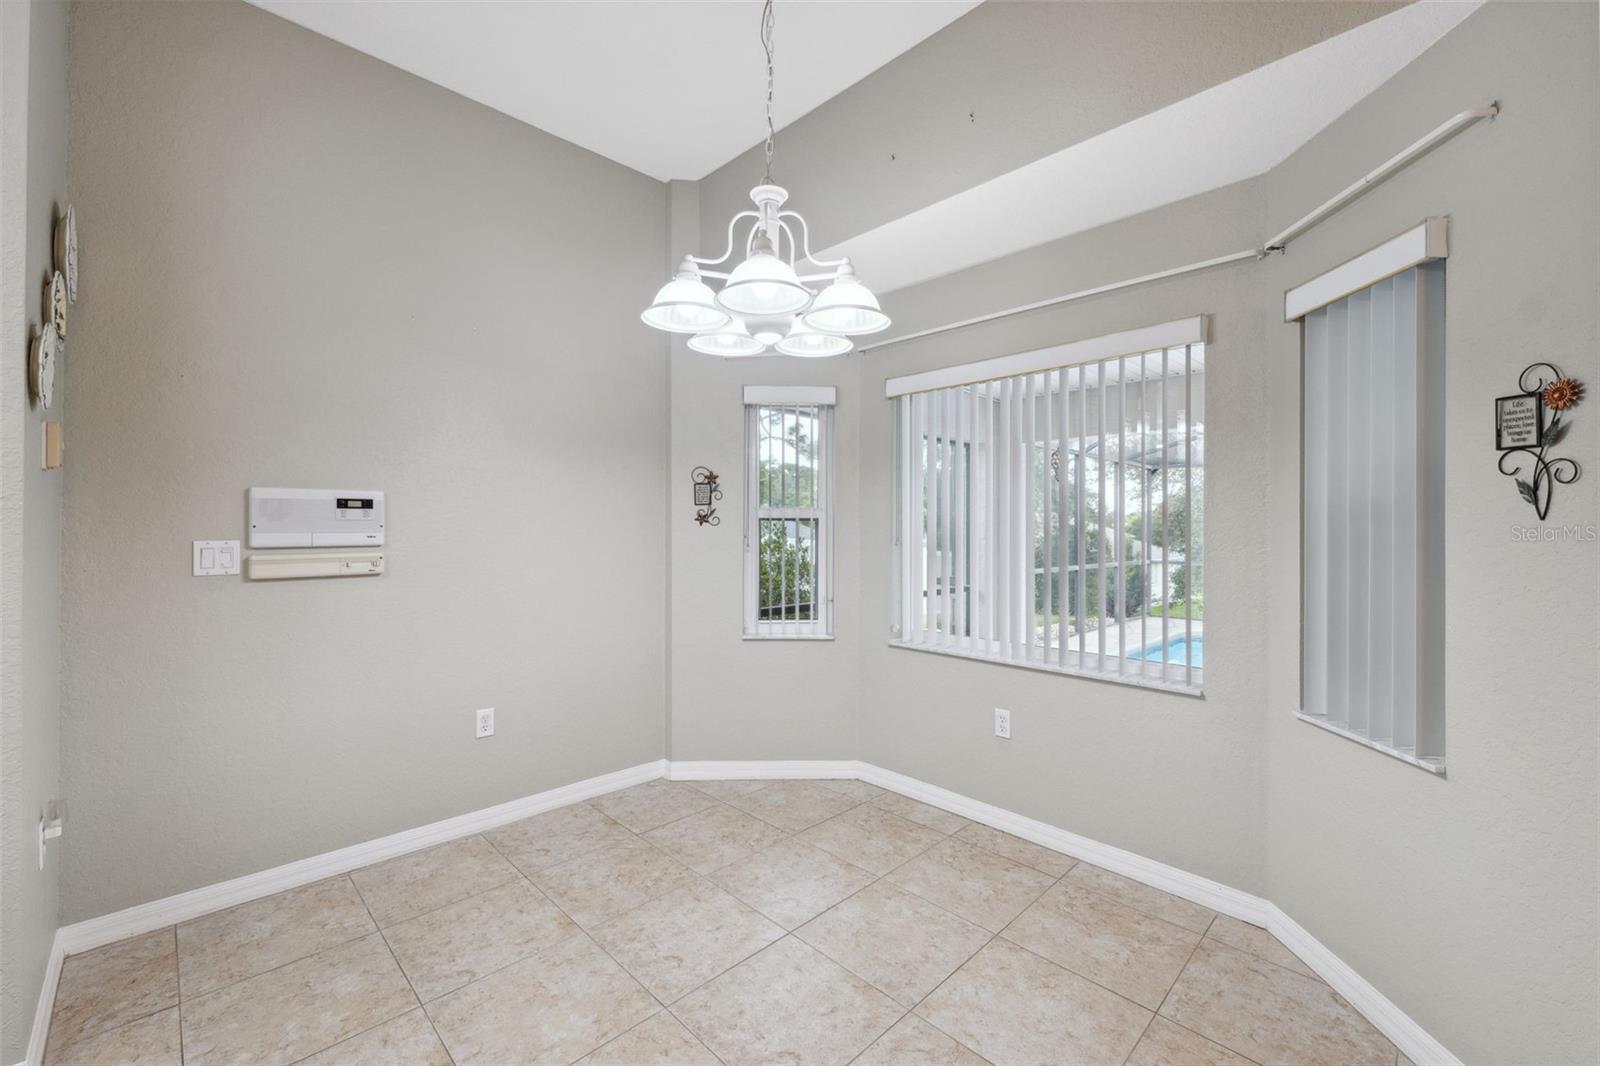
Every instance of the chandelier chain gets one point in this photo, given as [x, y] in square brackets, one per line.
[766, 44]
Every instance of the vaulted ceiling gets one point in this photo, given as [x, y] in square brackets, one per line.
[673, 89]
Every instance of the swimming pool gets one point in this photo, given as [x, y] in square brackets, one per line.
[1176, 651]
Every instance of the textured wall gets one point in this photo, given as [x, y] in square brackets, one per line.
[32, 189]
[1169, 776]
[1006, 84]
[755, 699]
[1470, 900]
[309, 268]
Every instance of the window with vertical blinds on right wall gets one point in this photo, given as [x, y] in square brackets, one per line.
[1372, 545]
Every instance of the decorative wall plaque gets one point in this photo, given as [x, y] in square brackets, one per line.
[707, 492]
[1524, 436]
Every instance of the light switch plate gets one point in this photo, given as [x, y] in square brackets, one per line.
[216, 558]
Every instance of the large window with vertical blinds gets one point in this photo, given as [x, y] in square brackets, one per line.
[1372, 549]
[788, 535]
[1049, 508]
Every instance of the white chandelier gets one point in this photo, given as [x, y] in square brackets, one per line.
[764, 301]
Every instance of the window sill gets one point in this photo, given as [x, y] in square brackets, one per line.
[1177, 688]
[764, 637]
[1433, 766]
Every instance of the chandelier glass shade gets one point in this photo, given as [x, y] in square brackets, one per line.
[807, 343]
[846, 307]
[764, 285]
[765, 300]
[686, 305]
[728, 341]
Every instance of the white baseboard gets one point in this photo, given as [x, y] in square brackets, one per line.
[157, 914]
[1415, 1042]
[47, 1001]
[1208, 893]
[794, 768]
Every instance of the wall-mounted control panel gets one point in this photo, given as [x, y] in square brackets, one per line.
[316, 518]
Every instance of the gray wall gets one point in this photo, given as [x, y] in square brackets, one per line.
[756, 699]
[304, 267]
[1006, 84]
[33, 144]
[1172, 777]
[1469, 900]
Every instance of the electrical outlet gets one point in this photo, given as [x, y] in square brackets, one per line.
[1002, 724]
[485, 726]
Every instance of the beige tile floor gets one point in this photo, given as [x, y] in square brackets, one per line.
[718, 922]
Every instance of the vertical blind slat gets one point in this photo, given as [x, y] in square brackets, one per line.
[1380, 475]
[1166, 541]
[1122, 518]
[1314, 525]
[1003, 508]
[1189, 572]
[1081, 534]
[1100, 390]
[1339, 623]
[1408, 492]
[1030, 436]
[1145, 575]
[928, 512]
[1044, 509]
[1057, 474]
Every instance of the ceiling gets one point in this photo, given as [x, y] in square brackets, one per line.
[671, 89]
[1232, 131]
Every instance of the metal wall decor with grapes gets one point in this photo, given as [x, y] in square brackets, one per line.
[1524, 435]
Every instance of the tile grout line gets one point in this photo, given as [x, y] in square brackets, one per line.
[1165, 995]
[177, 969]
[701, 1040]
[137, 1018]
[300, 958]
[884, 878]
[586, 934]
[580, 931]
[992, 938]
[786, 933]
[397, 964]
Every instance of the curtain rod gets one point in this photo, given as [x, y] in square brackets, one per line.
[1351, 193]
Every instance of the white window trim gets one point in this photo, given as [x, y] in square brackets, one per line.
[824, 398]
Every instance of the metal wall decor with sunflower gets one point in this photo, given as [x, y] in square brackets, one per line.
[1528, 424]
